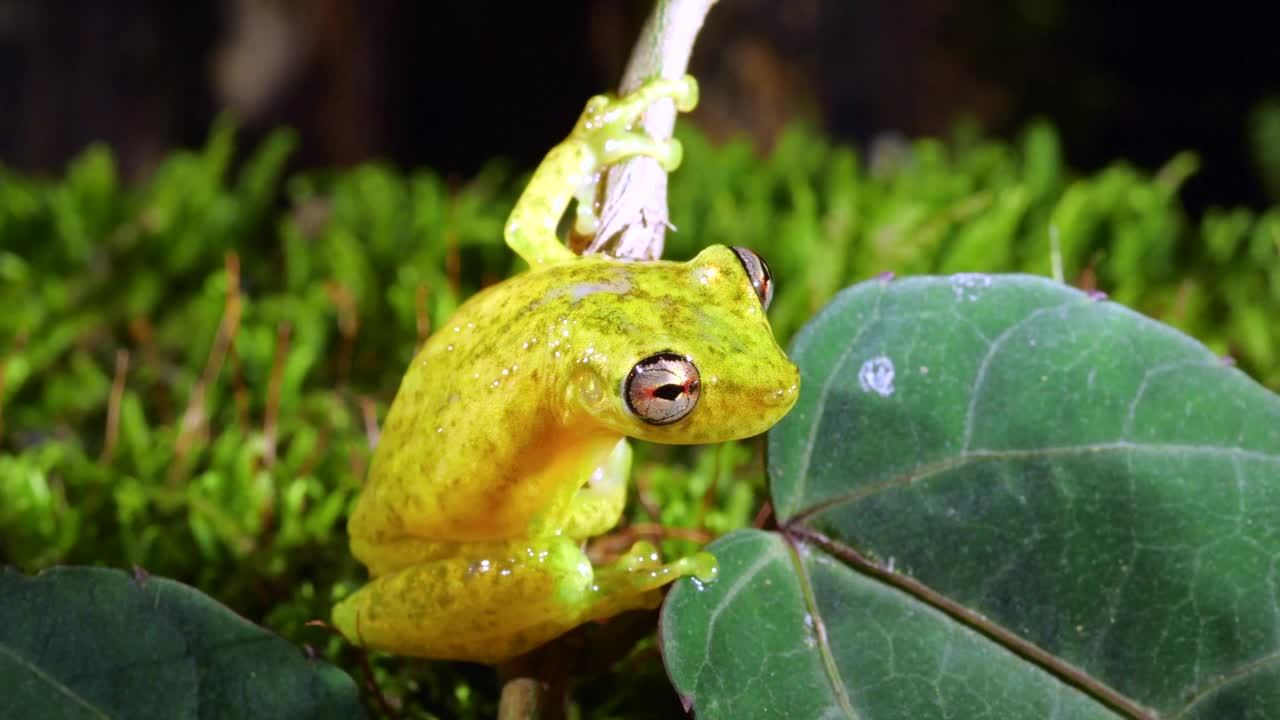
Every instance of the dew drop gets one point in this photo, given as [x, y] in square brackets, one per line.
[810, 631]
[969, 286]
[876, 375]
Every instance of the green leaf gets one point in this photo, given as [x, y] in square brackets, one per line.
[96, 643]
[999, 497]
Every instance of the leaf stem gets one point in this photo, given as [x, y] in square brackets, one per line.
[1064, 671]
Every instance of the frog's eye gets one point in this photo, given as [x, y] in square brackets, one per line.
[758, 273]
[662, 388]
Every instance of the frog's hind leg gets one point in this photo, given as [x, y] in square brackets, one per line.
[470, 606]
[602, 136]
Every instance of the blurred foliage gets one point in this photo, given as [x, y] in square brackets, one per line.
[1264, 127]
[192, 370]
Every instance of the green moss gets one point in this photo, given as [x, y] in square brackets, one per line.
[153, 416]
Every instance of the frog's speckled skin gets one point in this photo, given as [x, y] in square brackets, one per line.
[505, 448]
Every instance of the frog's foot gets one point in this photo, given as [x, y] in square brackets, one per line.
[603, 135]
[633, 580]
[606, 124]
[606, 128]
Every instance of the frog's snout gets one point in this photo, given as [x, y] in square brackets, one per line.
[787, 392]
[774, 399]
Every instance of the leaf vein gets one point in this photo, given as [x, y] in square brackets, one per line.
[981, 376]
[819, 625]
[1142, 388]
[820, 405]
[1234, 675]
[972, 456]
[52, 681]
[737, 587]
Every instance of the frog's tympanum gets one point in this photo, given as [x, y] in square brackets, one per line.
[505, 447]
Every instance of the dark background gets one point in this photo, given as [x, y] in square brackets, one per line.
[452, 84]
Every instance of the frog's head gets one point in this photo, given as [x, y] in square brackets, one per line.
[694, 358]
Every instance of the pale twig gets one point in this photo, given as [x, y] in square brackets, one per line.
[348, 326]
[609, 547]
[271, 415]
[239, 392]
[633, 214]
[113, 406]
[370, 413]
[371, 680]
[193, 419]
[633, 223]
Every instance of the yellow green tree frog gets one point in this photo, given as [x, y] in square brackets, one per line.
[505, 447]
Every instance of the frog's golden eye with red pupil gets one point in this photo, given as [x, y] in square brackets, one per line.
[662, 388]
[758, 273]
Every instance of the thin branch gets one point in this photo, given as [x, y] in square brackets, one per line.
[275, 384]
[369, 412]
[633, 215]
[113, 406]
[371, 680]
[348, 326]
[193, 419]
[609, 547]
[633, 223]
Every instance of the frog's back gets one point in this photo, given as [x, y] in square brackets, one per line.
[476, 420]
[482, 442]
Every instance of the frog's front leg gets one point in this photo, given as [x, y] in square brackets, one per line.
[598, 505]
[602, 136]
[632, 582]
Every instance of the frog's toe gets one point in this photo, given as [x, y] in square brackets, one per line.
[686, 94]
[597, 105]
[683, 91]
[623, 112]
[643, 550]
[346, 619]
[670, 154]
